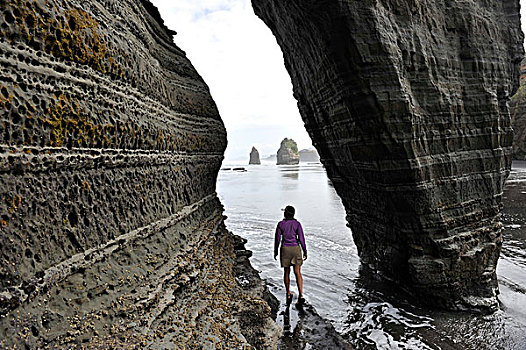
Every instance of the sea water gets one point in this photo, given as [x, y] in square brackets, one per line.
[369, 313]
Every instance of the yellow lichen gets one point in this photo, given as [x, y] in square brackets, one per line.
[70, 125]
[72, 34]
[5, 101]
[86, 186]
[13, 203]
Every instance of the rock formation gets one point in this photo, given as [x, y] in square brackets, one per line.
[407, 104]
[254, 157]
[309, 155]
[111, 234]
[288, 153]
[518, 117]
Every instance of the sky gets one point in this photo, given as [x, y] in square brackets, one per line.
[241, 62]
[239, 59]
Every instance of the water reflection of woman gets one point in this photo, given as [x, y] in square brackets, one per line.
[290, 233]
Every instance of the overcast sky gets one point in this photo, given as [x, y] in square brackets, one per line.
[239, 59]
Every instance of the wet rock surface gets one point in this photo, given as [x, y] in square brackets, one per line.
[304, 328]
[254, 157]
[111, 231]
[407, 105]
[287, 153]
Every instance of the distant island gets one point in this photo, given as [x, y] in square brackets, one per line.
[288, 153]
[271, 157]
[254, 157]
[309, 155]
[305, 155]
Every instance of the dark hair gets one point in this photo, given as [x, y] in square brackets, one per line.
[289, 212]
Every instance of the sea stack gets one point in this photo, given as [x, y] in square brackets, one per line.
[288, 153]
[254, 157]
[407, 104]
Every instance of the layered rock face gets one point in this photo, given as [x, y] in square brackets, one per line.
[518, 117]
[287, 153]
[254, 157]
[406, 103]
[111, 231]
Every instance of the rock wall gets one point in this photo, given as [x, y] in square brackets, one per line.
[287, 153]
[407, 105]
[254, 157]
[518, 117]
[110, 145]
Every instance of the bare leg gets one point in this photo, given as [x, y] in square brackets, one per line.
[286, 279]
[299, 279]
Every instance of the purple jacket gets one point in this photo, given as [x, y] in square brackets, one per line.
[292, 235]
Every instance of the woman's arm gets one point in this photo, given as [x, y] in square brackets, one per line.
[301, 238]
[277, 240]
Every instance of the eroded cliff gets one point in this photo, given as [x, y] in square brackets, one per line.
[111, 231]
[518, 117]
[407, 104]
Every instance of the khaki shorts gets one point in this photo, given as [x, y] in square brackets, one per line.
[291, 256]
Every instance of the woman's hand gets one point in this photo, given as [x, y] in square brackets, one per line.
[304, 256]
[275, 257]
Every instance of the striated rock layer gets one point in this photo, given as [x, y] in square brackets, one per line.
[406, 102]
[518, 117]
[287, 153]
[518, 114]
[110, 145]
[254, 157]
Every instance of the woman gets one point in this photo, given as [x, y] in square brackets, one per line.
[290, 234]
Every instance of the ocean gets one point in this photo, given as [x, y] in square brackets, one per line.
[365, 312]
